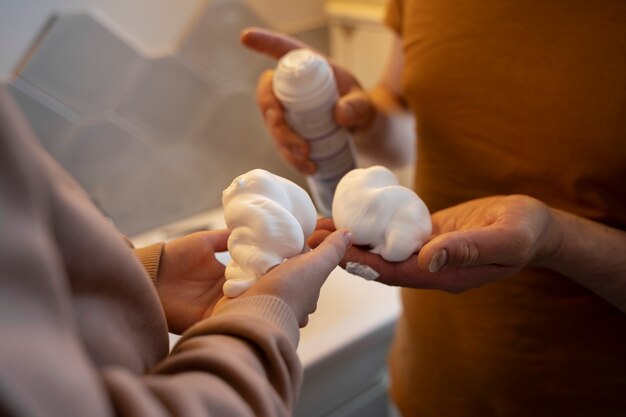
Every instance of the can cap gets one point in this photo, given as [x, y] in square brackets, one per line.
[303, 75]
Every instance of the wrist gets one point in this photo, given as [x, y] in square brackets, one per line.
[552, 244]
[150, 258]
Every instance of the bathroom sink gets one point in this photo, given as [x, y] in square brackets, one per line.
[343, 348]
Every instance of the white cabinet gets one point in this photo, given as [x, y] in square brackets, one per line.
[358, 39]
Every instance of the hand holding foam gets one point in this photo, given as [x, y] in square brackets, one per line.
[390, 218]
[270, 218]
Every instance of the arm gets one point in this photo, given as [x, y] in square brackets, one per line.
[497, 236]
[491, 238]
[242, 359]
[83, 334]
[590, 253]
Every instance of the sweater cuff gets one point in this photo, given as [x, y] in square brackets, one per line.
[150, 258]
[270, 308]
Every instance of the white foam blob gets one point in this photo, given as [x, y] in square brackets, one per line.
[269, 218]
[381, 213]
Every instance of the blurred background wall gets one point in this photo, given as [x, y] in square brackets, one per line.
[150, 104]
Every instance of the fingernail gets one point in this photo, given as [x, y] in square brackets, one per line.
[348, 236]
[438, 261]
[363, 271]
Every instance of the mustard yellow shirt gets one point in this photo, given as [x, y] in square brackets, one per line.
[515, 97]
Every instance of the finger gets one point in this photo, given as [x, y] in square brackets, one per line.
[333, 248]
[218, 239]
[294, 149]
[326, 223]
[270, 43]
[327, 255]
[275, 45]
[385, 269]
[325, 226]
[354, 110]
[484, 246]
[265, 95]
[317, 238]
[408, 274]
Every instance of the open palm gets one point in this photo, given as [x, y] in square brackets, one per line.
[190, 278]
[472, 244]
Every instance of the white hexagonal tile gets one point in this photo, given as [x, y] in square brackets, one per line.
[104, 156]
[235, 140]
[179, 183]
[213, 43]
[51, 121]
[168, 99]
[82, 63]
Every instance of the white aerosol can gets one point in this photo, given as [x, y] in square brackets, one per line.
[305, 85]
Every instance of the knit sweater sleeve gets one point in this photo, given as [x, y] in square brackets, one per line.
[82, 332]
[241, 362]
[150, 258]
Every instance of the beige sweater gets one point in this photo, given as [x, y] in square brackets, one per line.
[82, 332]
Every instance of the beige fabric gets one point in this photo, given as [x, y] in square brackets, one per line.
[150, 258]
[515, 97]
[82, 332]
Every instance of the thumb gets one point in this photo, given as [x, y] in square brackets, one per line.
[483, 246]
[327, 255]
[272, 44]
[298, 280]
[218, 239]
[333, 248]
[355, 109]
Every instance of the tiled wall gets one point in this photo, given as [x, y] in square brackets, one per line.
[152, 139]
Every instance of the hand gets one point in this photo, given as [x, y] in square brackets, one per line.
[298, 280]
[354, 109]
[472, 244]
[190, 278]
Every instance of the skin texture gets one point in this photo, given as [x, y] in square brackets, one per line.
[491, 238]
[483, 240]
[190, 278]
[298, 280]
